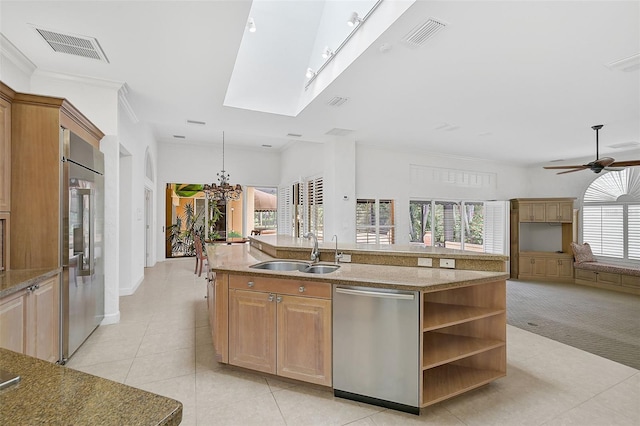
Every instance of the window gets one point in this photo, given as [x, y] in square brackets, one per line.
[375, 221]
[467, 225]
[301, 208]
[611, 215]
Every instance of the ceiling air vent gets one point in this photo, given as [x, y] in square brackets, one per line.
[71, 44]
[339, 132]
[196, 122]
[423, 32]
[337, 101]
[294, 135]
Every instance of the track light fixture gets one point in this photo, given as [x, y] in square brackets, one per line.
[326, 52]
[251, 25]
[354, 19]
[310, 73]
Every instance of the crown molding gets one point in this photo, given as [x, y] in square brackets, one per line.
[125, 104]
[98, 82]
[15, 56]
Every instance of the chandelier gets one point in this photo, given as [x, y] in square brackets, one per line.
[223, 191]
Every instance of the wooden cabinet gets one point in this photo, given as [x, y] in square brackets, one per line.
[281, 326]
[463, 340]
[531, 258]
[29, 320]
[545, 266]
[559, 211]
[218, 304]
[6, 97]
[36, 173]
[533, 212]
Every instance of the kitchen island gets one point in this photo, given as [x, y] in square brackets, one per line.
[280, 322]
[56, 395]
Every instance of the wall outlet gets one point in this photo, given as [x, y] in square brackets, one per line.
[447, 263]
[346, 258]
[425, 261]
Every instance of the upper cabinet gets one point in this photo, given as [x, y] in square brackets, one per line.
[558, 210]
[6, 96]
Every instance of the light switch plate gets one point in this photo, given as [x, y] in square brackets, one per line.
[425, 261]
[447, 263]
[346, 258]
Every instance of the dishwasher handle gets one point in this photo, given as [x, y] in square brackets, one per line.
[369, 293]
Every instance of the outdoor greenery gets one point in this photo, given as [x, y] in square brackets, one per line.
[422, 213]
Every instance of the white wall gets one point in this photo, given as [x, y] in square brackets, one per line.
[183, 163]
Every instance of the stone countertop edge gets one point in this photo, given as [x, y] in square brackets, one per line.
[280, 242]
[52, 394]
[238, 259]
[14, 280]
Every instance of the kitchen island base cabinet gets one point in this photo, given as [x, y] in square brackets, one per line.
[281, 327]
[463, 341]
[29, 320]
[218, 306]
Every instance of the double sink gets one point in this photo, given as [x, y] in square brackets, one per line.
[296, 265]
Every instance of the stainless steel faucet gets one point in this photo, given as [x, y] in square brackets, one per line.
[315, 253]
[338, 256]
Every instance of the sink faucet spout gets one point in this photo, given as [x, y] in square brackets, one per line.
[315, 253]
[338, 256]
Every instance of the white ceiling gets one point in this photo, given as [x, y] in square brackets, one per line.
[506, 80]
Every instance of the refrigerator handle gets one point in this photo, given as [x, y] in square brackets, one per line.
[83, 236]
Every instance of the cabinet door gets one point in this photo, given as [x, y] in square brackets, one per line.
[565, 212]
[43, 320]
[532, 212]
[565, 268]
[13, 322]
[552, 212]
[5, 156]
[219, 316]
[552, 267]
[252, 330]
[525, 265]
[540, 267]
[304, 339]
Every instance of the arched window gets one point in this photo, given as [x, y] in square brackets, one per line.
[611, 215]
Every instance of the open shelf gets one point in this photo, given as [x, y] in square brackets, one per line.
[439, 315]
[442, 348]
[449, 380]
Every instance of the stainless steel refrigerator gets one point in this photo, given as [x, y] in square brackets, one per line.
[82, 298]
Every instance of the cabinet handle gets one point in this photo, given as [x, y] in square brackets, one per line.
[279, 299]
[301, 289]
[250, 284]
[271, 296]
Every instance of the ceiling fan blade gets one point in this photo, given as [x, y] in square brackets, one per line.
[566, 167]
[571, 171]
[603, 162]
[613, 169]
[626, 163]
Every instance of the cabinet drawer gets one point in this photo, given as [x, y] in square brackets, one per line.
[583, 274]
[281, 286]
[631, 281]
[608, 278]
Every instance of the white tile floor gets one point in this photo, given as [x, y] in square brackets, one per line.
[163, 345]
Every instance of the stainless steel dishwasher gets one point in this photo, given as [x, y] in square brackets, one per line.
[375, 346]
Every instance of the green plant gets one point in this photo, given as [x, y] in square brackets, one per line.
[234, 234]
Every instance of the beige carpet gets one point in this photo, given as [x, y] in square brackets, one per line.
[602, 322]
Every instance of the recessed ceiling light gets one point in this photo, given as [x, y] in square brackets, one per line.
[179, 136]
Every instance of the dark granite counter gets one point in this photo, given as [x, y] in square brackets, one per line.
[55, 395]
[15, 280]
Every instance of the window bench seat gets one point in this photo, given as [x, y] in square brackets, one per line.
[606, 275]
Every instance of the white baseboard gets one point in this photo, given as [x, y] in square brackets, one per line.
[111, 319]
[128, 291]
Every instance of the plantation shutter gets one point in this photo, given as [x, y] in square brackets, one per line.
[633, 217]
[285, 210]
[603, 229]
[314, 207]
[496, 227]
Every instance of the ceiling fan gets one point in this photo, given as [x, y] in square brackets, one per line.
[599, 164]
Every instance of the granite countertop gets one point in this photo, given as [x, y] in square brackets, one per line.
[304, 244]
[238, 258]
[52, 394]
[17, 279]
